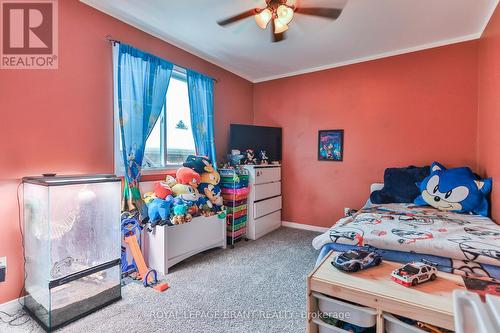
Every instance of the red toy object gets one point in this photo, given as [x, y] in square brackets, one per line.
[193, 210]
[493, 290]
[482, 286]
[149, 276]
[162, 190]
[187, 176]
[414, 273]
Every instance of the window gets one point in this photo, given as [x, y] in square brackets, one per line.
[171, 140]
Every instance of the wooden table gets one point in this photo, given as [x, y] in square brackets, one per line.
[430, 302]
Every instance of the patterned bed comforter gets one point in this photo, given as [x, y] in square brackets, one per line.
[424, 230]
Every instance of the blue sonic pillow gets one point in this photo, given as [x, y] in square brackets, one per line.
[457, 190]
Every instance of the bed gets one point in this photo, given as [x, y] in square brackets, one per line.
[458, 243]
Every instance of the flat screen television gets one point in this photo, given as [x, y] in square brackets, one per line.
[243, 137]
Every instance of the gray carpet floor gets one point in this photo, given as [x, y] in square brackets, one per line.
[259, 286]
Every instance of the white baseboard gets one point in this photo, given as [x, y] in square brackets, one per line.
[11, 307]
[303, 226]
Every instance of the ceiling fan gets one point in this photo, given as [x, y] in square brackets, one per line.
[280, 14]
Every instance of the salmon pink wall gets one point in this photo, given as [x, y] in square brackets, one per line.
[409, 109]
[489, 108]
[62, 120]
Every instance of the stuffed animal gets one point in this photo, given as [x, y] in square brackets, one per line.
[202, 201]
[193, 210]
[210, 179]
[235, 157]
[193, 206]
[249, 157]
[162, 190]
[181, 214]
[159, 210]
[200, 164]
[206, 210]
[205, 206]
[214, 194]
[187, 176]
[210, 188]
[457, 190]
[170, 180]
[264, 160]
[186, 193]
[148, 197]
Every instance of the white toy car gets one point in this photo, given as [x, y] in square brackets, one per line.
[414, 273]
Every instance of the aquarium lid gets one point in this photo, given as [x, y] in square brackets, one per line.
[71, 180]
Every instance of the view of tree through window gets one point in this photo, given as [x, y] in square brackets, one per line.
[171, 140]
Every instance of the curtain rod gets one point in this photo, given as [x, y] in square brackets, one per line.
[114, 41]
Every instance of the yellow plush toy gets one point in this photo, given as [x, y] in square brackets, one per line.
[171, 182]
[148, 197]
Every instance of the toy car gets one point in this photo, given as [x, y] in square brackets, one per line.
[414, 273]
[492, 289]
[354, 260]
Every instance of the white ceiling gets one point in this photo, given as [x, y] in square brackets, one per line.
[366, 30]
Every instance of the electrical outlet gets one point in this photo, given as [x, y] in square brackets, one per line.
[3, 268]
[346, 211]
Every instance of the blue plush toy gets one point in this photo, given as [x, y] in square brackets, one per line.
[159, 210]
[457, 190]
[214, 194]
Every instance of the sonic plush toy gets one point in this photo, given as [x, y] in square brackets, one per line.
[457, 190]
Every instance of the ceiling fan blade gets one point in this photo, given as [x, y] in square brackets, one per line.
[237, 18]
[276, 37]
[331, 13]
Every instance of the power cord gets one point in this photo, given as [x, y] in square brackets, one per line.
[13, 318]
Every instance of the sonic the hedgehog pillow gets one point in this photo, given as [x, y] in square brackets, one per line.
[457, 190]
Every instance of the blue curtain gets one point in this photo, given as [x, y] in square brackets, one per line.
[201, 104]
[141, 84]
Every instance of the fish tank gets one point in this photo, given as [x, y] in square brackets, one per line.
[72, 246]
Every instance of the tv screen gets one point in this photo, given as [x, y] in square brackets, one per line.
[243, 137]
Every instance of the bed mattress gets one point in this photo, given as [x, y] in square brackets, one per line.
[465, 243]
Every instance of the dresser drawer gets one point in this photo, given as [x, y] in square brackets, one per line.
[268, 190]
[265, 207]
[268, 223]
[267, 175]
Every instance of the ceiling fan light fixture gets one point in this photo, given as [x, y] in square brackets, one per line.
[263, 18]
[279, 26]
[285, 14]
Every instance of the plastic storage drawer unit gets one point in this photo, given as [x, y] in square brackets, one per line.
[327, 328]
[354, 314]
[394, 325]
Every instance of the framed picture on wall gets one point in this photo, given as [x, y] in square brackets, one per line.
[331, 145]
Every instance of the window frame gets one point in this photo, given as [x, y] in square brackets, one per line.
[178, 73]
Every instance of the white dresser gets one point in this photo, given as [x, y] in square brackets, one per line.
[264, 201]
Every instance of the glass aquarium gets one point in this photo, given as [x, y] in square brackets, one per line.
[72, 246]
